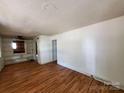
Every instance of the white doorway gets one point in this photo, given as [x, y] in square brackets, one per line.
[54, 50]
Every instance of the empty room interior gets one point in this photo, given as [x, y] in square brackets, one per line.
[61, 46]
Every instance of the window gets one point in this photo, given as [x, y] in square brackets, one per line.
[18, 47]
[14, 46]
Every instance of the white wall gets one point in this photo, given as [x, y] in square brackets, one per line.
[10, 57]
[96, 49]
[44, 49]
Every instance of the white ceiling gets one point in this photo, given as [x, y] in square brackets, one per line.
[34, 17]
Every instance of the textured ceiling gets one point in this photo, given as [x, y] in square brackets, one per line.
[47, 17]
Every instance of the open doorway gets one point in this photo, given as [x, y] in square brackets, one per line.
[54, 50]
[36, 52]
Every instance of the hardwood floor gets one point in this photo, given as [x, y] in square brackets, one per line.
[30, 77]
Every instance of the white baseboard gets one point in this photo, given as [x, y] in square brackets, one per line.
[112, 83]
[72, 68]
[106, 82]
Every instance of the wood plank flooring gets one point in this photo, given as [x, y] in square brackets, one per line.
[30, 77]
